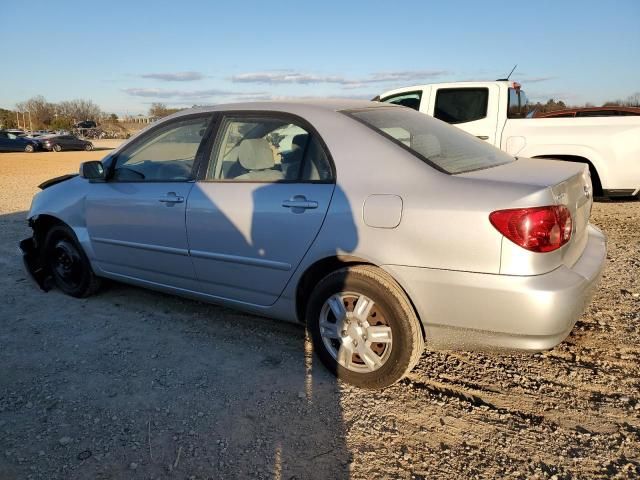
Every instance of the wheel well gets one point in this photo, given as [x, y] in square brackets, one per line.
[41, 225]
[595, 178]
[324, 267]
[317, 272]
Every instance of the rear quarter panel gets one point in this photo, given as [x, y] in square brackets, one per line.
[444, 222]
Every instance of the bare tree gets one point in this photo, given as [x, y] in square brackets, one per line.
[42, 112]
[161, 110]
[633, 100]
[79, 110]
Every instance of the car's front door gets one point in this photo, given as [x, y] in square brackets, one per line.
[258, 207]
[136, 219]
[68, 142]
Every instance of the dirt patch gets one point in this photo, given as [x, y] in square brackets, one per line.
[137, 384]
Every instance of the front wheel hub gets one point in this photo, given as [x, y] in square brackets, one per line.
[67, 263]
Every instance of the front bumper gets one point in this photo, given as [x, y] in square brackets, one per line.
[475, 311]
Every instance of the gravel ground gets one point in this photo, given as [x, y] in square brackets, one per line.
[136, 384]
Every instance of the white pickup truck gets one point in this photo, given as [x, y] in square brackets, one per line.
[498, 113]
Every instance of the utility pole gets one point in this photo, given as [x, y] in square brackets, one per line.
[30, 124]
[17, 119]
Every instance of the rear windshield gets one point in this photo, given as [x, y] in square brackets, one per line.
[447, 148]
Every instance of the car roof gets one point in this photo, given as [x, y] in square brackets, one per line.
[300, 107]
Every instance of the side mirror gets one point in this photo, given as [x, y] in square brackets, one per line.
[93, 170]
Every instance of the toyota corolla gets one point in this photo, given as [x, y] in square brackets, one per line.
[377, 227]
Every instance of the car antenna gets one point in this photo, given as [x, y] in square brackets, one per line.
[508, 76]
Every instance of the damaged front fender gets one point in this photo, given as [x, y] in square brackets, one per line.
[34, 264]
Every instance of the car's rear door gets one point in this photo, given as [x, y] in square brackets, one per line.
[136, 219]
[258, 205]
[472, 109]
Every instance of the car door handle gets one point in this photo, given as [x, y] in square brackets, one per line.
[483, 137]
[171, 198]
[299, 202]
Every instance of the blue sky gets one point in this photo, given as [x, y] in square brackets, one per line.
[127, 54]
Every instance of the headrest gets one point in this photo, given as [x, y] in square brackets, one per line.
[299, 140]
[255, 154]
[427, 144]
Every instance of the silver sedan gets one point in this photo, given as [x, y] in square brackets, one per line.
[377, 227]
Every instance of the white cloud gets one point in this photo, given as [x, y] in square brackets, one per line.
[184, 94]
[525, 80]
[293, 77]
[174, 77]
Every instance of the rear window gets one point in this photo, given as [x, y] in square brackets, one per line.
[461, 105]
[406, 99]
[446, 148]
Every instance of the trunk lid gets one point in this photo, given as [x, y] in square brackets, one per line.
[555, 183]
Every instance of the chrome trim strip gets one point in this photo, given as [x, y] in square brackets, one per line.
[256, 262]
[142, 246]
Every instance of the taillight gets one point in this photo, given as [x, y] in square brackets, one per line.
[538, 229]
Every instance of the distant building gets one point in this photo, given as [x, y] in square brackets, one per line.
[143, 119]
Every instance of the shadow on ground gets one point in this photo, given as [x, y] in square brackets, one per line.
[138, 384]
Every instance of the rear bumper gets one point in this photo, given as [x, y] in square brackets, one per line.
[474, 311]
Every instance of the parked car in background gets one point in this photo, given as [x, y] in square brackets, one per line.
[38, 133]
[86, 124]
[376, 226]
[11, 142]
[613, 111]
[16, 131]
[57, 143]
[498, 113]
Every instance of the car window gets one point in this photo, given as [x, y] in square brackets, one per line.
[600, 113]
[267, 150]
[563, 115]
[518, 104]
[460, 105]
[406, 99]
[446, 148]
[164, 155]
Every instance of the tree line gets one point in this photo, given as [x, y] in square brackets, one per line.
[554, 105]
[37, 113]
[63, 115]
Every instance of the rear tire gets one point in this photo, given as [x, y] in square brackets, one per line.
[57, 148]
[379, 339]
[29, 148]
[68, 264]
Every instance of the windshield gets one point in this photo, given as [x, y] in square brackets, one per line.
[446, 148]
